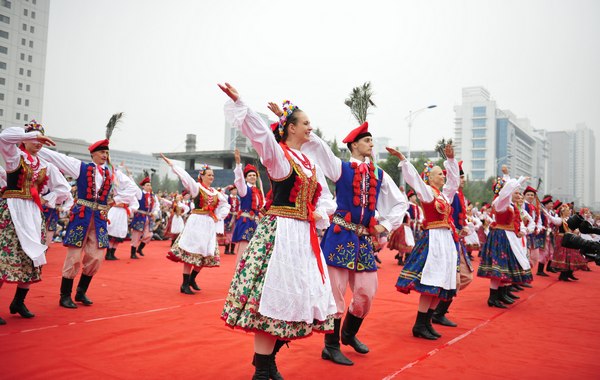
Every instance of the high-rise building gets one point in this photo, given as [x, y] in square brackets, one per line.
[487, 137]
[23, 39]
[572, 165]
[235, 139]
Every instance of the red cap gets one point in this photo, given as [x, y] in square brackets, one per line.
[460, 169]
[357, 133]
[98, 145]
[250, 168]
[145, 181]
[410, 193]
[547, 199]
[530, 189]
[557, 204]
[184, 192]
[274, 126]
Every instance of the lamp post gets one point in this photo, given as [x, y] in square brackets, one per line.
[410, 118]
[497, 162]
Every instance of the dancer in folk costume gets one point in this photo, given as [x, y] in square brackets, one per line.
[265, 296]
[143, 219]
[465, 276]
[472, 238]
[537, 238]
[402, 238]
[503, 256]
[123, 205]
[234, 202]
[547, 251]
[565, 260]
[87, 232]
[251, 202]
[176, 222]
[349, 247]
[196, 247]
[21, 201]
[432, 266]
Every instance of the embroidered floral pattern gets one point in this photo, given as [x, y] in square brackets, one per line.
[179, 255]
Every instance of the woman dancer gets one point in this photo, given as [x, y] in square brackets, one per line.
[176, 222]
[267, 297]
[431, 268]
[402, 238]
[197, 245]
[565, 260]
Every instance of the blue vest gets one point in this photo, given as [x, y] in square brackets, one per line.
[81, 216]
[343, 248]
[139, 220]
[456, 210]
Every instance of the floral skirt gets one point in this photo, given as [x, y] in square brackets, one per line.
[243, 300]
[499, 262]
[179, 255]
[565, 259]
[398, 241]
[410, 276]
[15, 265]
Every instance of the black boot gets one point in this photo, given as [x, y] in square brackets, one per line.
[112, 253]
[193, 280]
[66, 287]
[439, 315]
[493, 300]
[420, 329]
[332, 346]
[549, 267]
[511, 294]
[571, 276]
[107, 256]
[540, 271]
[133, 256]
[232, 249]
[273, 371]
[503, 296]
[18, 304]
[2, 322]
[349, 330]
[261, 364]
[139, 249]
[82, 287]
[185, 286]
[563, 276]
[430, 326]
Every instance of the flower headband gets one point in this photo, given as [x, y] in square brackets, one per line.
[425, 174]
[288, 109]
[203, 169]
[498, 185]
[34, 126]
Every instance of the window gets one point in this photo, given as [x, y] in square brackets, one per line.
[6, 4]
[26, 117]
[34, 1]
[1, 112]
[19, 101]
[23, 41]
[28, 87]
[478, 133]
[3, 49]
[22, 56]
[29, 59]
[32, 14]
[28, 73]
[21, 71]
[479, 111]
[5, 19]
[18, 116]
[3, 81]
[478, 144]
[3, 65]
[32, 29]
[477, 174]
[479, 123]
[25, 27]
[478, 154]
[25, 11]
[31, 44]
[26, 102]
[1, 96]
[21, 86]
[4, 34]
[478, 164]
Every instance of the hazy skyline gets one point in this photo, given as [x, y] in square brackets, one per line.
[159, 62]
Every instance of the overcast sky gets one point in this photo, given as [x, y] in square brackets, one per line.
[159, 62]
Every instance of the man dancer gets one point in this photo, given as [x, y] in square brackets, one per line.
[537, 238]
[87, 230]
[459, 216]
[361, 190]
[141, 231]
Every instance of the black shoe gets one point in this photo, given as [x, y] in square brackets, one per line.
[526, 285]
[261, 364]
[133, 255]
[549, 268]
[349, 330]
[2, 322]
[420, 329]
[571, 276]
[517, 287]
[430, 326]
[493, 300]
[503, 296]
[193, 280]
[112, 254]
[439, 315]
[107, 256]
[540, 271]
[18, 304]
[563, 276]
[139, 249]
[185, 286]
[511, 294]
[332, 346]
[66, 287]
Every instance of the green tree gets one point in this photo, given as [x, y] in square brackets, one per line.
[359, 101]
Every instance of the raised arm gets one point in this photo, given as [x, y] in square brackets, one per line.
[239, 182]
[188, 182]
[10, 138]
[505, 196]
[68, 165]
[320, 152]
[452, 178]
[59, 190]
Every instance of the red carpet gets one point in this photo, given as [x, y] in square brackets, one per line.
[141, 327]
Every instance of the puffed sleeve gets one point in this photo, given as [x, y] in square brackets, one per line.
[58, 188]
[9, 139]
[319, 151]
[222, 207]
[504, 198]
[413, 178]
[392, 204]
[240, 182]
[188, 182]
[326, 206]
[68, 165]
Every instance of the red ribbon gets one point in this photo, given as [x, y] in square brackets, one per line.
[314, 239]
[33, 190]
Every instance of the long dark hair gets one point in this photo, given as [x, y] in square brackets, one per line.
[291, 119]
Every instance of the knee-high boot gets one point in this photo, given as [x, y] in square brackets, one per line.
[82, 287]
[439, 315]
[332, 346]
[66, 287]
[349, 330]
[18, 304]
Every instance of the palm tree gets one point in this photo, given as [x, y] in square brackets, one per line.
[360, 101]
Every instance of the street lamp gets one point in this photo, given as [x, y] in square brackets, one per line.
[411, 116]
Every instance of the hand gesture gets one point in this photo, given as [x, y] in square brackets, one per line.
[394, 152]
[449, 151]
[45, 140]
[275, 109]
[230, 91]
[504, 169]
[236, 155]
[166, 160]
